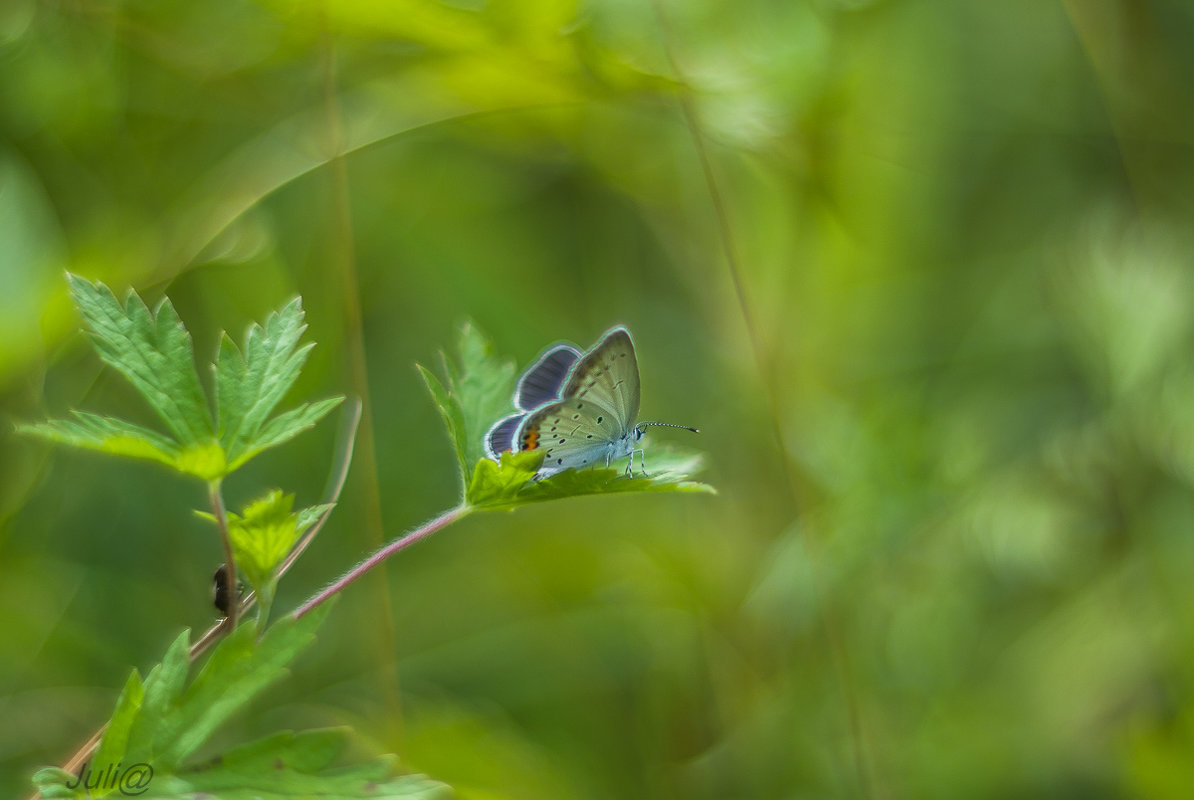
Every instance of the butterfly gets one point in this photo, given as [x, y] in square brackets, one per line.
[578, 408]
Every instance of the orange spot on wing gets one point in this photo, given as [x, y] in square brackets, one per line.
[530, 440]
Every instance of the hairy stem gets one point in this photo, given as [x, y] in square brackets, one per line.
[401, 543]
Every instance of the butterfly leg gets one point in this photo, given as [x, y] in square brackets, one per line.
[642, 463]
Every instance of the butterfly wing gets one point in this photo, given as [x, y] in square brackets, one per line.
[500, 436]
[593, 421]
[608, 375]
[542, 381]
[572, 433]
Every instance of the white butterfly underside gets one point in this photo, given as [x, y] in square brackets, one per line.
[591, 421]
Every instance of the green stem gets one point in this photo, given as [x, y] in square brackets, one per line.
[401, 543]
[265, 601]
[217, 507]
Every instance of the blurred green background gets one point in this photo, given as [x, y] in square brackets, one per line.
[945, 383]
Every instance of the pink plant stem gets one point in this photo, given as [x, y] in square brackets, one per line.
[381, 555]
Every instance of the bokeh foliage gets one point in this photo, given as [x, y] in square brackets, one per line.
[946, 395]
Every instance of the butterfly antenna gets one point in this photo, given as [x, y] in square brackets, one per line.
[643, 425]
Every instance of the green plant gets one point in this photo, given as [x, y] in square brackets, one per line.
[475, 392]
[160, 721]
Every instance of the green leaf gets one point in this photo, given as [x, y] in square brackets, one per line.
[204, 460]
[119, 437]
[116, 736]
[52, 783]
[152, 350]
[497, 486]
[483, 387]
[509, 485]
[453, 416]
[286, 426]
[130, 734]
[310, 515]
[108, 435]
[163, 688]
[264, 532]
[283, 766]
[158, 724]
[250, 386]
[290, 765]
[475, 393]
[238, 668]
[669, 472]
